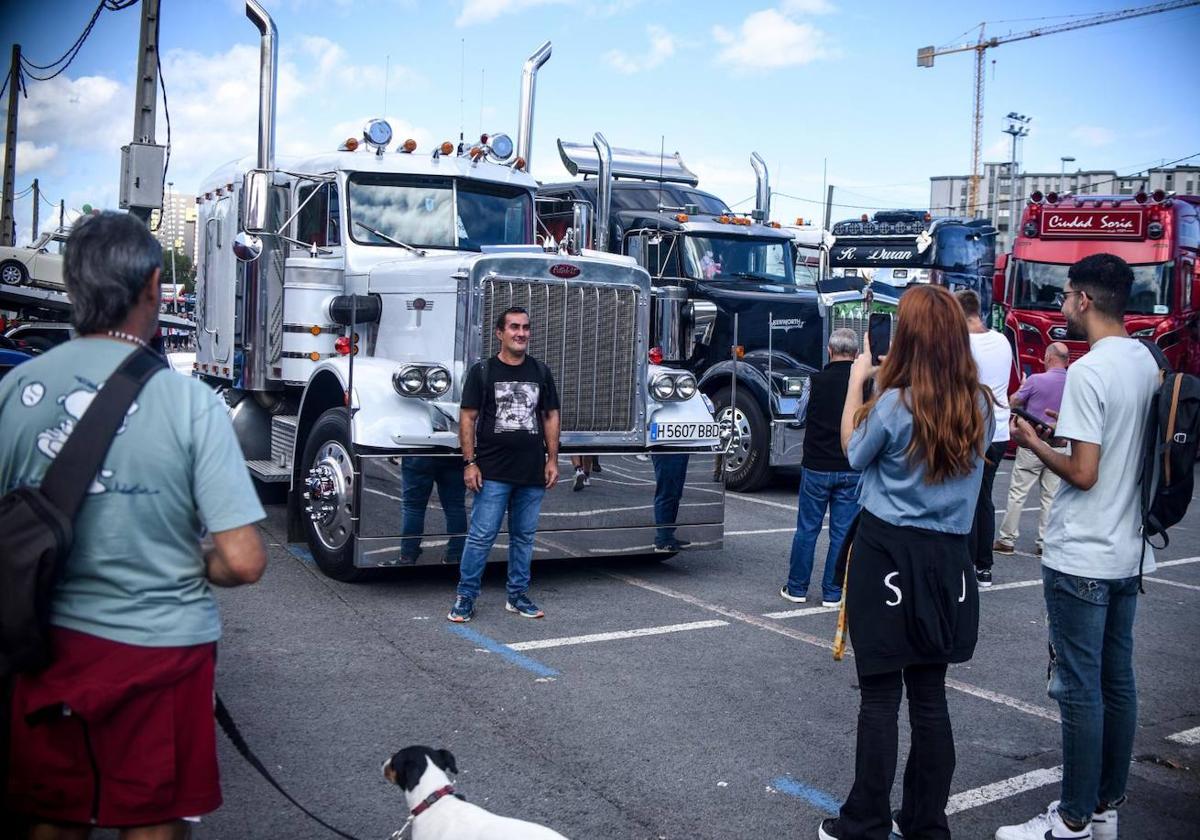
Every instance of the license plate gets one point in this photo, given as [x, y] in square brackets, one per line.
[683, 431]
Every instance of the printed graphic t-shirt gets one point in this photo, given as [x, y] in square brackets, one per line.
[135, 574]
[510, 443]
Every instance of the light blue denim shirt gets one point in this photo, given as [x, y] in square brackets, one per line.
[893, 486]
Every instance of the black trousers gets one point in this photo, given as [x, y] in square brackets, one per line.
[983, 528]
[866, 814]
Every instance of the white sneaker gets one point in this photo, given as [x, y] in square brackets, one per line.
[1104, 825]
[1047, 826]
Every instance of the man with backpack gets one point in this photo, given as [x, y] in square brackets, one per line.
[1093, 552]
[116, 729]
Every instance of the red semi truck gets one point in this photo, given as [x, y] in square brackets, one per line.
[1158, 235]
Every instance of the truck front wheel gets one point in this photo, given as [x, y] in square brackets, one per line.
[328, 503]
[748, 461]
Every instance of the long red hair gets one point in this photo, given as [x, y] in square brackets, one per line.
[930, 363]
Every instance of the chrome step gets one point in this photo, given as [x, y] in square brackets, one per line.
[269, 471]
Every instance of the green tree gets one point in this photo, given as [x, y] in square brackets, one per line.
[185, 272]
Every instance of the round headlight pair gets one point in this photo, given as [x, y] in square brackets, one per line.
[418, 380]
[666, 386]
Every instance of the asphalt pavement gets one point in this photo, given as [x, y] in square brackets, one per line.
[659, 699]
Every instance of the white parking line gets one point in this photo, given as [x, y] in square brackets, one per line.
[1174, 583]
[801, 611]
[1002, 790]
[766, 531]
[1166, 564]
[826, 644]
[743, 497]
[1191, 737]
[538, 644]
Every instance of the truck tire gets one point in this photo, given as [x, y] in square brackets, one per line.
[748, 463]
[13, 273]
[327, 478]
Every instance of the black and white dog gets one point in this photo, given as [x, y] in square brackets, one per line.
[437, 814]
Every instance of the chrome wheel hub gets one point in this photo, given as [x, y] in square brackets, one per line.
[738, 448]
[329, 487]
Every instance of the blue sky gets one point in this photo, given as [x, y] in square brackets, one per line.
[806, 83]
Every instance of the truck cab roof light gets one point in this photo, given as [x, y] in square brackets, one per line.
[1159, 196]
[350, 145]
[519, 163]
[409, 146]
[1052, 197]
[1141, 197]
[722, 220]
[1036, 197]
[681, 217]
[447, 148]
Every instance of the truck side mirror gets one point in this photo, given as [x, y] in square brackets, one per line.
[581, 226]
[998, 279]
[247, 247]
[635, 246]
[256, 190]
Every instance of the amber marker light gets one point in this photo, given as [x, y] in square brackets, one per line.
[314, 329]
[410, 146]
[351, 144]
[519, 163]
[681, 217]
[314, 356]
[447, 148]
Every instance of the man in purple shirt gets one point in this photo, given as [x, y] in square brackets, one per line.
[1038, 393]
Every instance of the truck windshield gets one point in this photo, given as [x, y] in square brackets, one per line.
[737, 258]
[420, 211]
[1038, 285]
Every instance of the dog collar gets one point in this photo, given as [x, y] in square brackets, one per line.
[429, 800]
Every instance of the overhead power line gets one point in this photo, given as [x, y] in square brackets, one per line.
[64, 61]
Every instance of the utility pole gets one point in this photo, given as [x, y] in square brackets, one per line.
[37, 200]
[142, 160]
[8, 224]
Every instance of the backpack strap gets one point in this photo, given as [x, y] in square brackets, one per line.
[72, 471]
[1160, 358]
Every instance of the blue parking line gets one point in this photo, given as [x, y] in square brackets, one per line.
[300, 552]
[824, 801]
[504, 650]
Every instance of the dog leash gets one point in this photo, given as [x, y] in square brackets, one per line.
[239, 743]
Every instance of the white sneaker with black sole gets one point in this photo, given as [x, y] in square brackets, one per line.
[1045, 826]
[788, 596]
[1104, 824]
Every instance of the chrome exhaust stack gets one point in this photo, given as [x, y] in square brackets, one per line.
[762, 188]
[603, 192]
[268, 76]
[528, 91]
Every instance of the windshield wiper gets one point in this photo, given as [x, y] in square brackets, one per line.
[391, 239]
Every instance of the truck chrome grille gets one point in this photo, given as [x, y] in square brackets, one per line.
[587, 336]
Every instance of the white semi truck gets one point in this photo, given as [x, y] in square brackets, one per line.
[341, 300]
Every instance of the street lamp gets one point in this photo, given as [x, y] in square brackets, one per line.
[1018, 127]
[1062, 174]
[171, 233]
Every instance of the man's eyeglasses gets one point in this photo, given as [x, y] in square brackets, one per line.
[1061, 297]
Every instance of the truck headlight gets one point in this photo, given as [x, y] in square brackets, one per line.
[793, 386]
[408, 381]
[437, 381]
[685, 386]
[662, 387]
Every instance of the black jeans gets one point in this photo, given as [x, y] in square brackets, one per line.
[866, 814]
[983, 528]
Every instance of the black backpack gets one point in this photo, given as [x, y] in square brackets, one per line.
[37, 522]
[1170, 449]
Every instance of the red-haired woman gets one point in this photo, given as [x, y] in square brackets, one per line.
[911, 597]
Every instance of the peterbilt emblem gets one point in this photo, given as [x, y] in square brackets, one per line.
[1058, 333]
[565, 270]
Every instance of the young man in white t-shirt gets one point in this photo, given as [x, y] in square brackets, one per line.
[1092, 551]
[994, 358]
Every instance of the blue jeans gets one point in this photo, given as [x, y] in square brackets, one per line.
[670, 472]
[839, 492]
[523, 504]
[1091, 677]
[418, 474]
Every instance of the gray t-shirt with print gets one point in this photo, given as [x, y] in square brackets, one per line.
[135, 574]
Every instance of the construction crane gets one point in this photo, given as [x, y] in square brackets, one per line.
[926, 55]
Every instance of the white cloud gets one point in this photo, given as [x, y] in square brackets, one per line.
[482, 11]
[769, 39]
[31, 156]
[1093, 135]
[88, 111]
[662, 47]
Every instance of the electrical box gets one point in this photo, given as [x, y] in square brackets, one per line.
[142, 176]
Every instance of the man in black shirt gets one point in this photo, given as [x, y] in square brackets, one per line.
[508, 429]
[827, 480]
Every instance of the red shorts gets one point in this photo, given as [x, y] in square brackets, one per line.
[115, 735]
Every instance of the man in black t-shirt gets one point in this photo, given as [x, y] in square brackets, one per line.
[508, 429]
